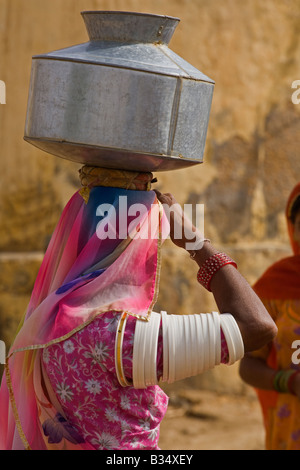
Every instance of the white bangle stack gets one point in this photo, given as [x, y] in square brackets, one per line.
[191, 345]
[144, 364]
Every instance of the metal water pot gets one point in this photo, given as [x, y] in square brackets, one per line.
[122, 100]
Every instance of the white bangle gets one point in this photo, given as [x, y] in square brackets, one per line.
[144, 360]
[191, 345]
[233, 338]
[165, 324]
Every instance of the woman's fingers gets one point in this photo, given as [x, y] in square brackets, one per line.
[182, 231]
[165, 198]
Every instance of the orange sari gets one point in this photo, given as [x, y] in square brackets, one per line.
[279, 289]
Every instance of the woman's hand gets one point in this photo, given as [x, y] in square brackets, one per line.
[182, 231]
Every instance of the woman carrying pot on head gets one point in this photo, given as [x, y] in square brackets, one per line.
[83, 371]
[274, 370]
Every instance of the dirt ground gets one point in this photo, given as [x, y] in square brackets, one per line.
[203, 420]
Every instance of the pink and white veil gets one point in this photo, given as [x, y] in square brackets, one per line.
[82, 275]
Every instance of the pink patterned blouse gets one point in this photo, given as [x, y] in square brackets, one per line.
[99, 411]
[82, 373]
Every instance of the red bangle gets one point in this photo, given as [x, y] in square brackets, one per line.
[211, 266]
[291, 381]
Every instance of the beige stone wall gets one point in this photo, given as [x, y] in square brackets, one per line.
[251, 49]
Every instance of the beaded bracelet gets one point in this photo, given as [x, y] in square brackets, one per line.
[211, 266]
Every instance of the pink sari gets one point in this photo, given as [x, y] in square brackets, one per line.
[81, 277]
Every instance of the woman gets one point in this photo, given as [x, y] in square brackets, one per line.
[83, 370]
[274, 370]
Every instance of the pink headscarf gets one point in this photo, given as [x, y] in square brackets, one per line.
[81, 277]
[282, 279]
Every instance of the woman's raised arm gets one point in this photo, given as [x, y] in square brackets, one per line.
[231, 291]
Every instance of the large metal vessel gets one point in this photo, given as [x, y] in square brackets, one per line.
[121, 100]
